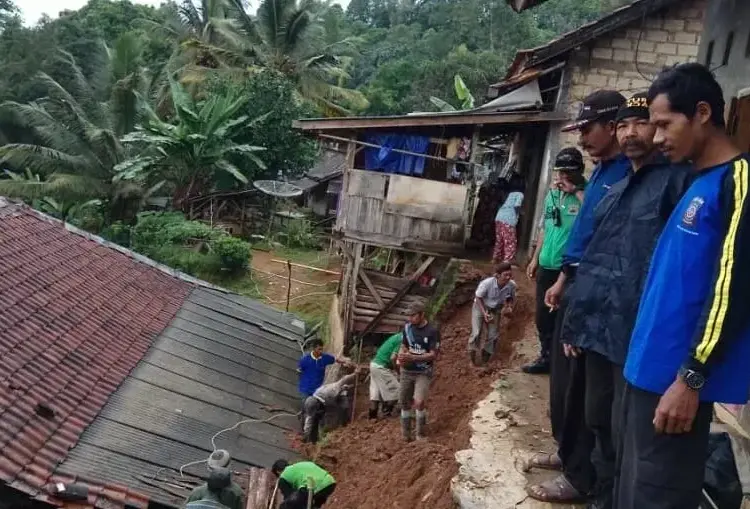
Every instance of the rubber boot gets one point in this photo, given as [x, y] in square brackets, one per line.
[406, 426]
[486, 356]
[421, 424]
[473, 357]
[373, 412]
[388, 408]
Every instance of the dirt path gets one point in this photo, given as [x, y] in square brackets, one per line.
[306, 284]
[375, 469]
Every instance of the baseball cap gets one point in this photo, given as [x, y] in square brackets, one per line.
[602, 104]
[636, 106]
[569, 159]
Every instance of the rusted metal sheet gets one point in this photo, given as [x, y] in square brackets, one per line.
[260, 488]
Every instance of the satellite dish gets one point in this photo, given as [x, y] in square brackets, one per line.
[277, 188]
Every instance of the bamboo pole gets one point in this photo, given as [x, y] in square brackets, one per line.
[309, 267]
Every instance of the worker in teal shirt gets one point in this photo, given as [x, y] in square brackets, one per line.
[691, 342]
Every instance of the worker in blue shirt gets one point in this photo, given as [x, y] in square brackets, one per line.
[312, 368]
[691, 341]
[596, 124]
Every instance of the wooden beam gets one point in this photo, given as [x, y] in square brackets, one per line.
[432, 120]
[371, 288]
[395, 300]
[366, 280]
[260, 490]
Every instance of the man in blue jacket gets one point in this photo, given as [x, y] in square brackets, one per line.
[596, 123]
[691, 341]
[603, 303]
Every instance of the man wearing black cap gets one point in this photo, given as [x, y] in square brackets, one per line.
[603, 303]
[561, 206]
[596, 123]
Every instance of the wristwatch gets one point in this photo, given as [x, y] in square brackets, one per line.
[693, 379]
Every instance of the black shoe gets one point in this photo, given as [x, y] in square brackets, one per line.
[486, 356]
[538, 367]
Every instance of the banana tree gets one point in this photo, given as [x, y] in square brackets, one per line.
[463, 94]
[190, 152]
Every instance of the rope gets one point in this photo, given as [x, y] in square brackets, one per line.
[216, 435]
[273, 495]
[300, 297]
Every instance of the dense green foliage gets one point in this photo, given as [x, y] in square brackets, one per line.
[190, 246]
[118, 107]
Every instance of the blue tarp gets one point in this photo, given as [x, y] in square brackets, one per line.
[386, 160]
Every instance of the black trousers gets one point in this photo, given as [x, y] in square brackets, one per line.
[659, 471]
[604, 389]
[545, 319]
[567, 411]
[297, 499]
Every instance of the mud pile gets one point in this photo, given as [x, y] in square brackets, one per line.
[375, 469]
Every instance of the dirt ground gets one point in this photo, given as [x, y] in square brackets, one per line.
[306, 283]
[375, 469]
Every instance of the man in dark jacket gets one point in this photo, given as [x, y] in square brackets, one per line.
[596, 123]
[603, 303]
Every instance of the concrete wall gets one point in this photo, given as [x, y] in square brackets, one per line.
[629, 58]
[722, 18]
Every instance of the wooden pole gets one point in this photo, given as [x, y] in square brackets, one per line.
[288, 283]
[317, 269]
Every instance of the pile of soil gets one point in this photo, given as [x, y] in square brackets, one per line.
[467, 279]
[376, 469]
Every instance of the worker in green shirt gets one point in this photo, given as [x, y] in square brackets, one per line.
[298, 479]
[561, 206]
[384, 384]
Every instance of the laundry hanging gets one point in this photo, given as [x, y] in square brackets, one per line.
[386, 160]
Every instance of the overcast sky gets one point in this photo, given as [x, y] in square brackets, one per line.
[34, 9]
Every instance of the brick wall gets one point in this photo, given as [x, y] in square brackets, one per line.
[660, 40]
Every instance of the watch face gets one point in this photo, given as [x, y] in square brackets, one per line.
[695, 380]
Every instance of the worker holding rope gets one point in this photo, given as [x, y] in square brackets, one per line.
[303, 484]
[220, 490]
[384, 378]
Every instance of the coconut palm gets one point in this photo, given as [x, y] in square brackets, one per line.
[190, 152]
[292, 37]
[69, 138]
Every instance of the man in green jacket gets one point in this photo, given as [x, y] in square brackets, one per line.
[384, 383]
[296, 481]
[220, 489]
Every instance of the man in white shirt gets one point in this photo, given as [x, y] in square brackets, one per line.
[494, 297]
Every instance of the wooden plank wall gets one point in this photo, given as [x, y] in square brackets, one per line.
[392, 216]
[366, 307]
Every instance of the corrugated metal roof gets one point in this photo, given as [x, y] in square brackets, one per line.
[113, 367]
[529, 58]
[215, 365]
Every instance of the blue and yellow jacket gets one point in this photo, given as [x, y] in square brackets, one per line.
[694, 309]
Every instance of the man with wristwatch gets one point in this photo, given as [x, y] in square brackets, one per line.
[691, 341]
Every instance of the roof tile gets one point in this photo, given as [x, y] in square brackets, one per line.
[75, 318]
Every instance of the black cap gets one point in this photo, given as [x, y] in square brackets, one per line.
[569, 160]
[601, 105]
[636, 106]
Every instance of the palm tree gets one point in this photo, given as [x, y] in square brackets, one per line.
[293, 38]
[287, 37]
[190, 152]
[69, 138]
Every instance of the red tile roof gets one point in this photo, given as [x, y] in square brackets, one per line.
[76, 316]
